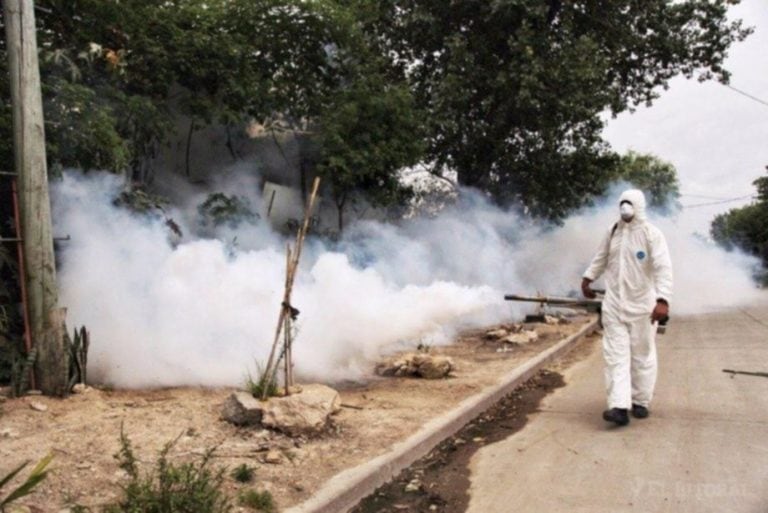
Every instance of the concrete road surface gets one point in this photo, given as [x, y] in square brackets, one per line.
[704, 448]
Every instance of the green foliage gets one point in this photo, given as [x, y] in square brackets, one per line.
[256, 388]
[507, 93]
[7, 348]
[21, 367]
[82, 129]
[514, 90]
[140, 201]
[9, 319]
[655, 177]
[259, 501]
[170, 488]
[35, 478]
[370, 131]
[219, 209]
[77, 347]
[242, 473]
[746, 228]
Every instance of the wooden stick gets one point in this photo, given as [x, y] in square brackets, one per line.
[22, 281]
[287, 349]
[292, 264]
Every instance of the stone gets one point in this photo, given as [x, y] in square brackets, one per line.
[80, 388]
[413, 486]
[304, 414]
[8, 433]
[436, 367]
[18, 508]
[38, 406]
[273, 457]
[307, 413]
[496, 334]
[524, 337]
[422, 365]
[242, 409]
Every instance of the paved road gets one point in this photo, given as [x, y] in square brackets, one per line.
[704, 448]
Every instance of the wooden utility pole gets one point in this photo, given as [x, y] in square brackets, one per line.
[46, 319]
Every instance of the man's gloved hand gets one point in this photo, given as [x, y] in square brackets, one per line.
[586, 289]
[660, 312]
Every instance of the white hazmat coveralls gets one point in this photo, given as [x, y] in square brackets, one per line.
[635, 260]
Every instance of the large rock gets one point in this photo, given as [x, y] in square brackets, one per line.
[305, 413]
[242, 409]
[417, 365]
[523, 337]
[436, 367]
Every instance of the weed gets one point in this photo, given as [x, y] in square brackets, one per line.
[242, 473]
[189, 487]
[256, 388]
[260, 501]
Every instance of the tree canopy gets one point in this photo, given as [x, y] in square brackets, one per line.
[514, 89]
[658, 179]
[746, 228]
[508, 94]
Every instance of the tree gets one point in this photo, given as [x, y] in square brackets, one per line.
[514, 90]
[746, 228]
[654, 176]
[370, 131]
[116, 73]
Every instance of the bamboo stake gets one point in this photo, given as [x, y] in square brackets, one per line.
[285, 309]
[287, 346]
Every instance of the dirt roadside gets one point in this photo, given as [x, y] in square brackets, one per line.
[82, 431]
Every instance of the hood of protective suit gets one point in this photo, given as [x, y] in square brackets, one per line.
[637, 199]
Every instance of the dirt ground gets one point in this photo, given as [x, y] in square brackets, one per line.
[83, 430]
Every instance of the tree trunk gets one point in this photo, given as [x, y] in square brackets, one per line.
[189, 146]
[46, 320]
[340, 213]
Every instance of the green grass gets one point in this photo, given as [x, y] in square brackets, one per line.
[256, 388]
[242, 473]
[260, 501]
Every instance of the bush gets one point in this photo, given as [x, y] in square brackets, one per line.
[260, 501]
[243, 473]
[221, 210]
[186, 488]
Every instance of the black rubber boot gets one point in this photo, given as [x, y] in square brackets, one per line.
[618, 416]
[639, 412]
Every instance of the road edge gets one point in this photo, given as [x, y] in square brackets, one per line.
[347, 488]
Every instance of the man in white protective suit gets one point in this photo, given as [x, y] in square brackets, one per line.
[638, 278]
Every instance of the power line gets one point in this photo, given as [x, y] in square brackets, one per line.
[744, 93]
[704, 196]
[730, 200]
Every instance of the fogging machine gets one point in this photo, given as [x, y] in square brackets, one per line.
[590, 305]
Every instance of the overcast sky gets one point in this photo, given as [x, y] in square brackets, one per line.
[716, 138]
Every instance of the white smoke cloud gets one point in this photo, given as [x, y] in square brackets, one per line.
[199, 313]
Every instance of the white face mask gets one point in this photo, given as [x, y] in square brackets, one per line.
[627, 211]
